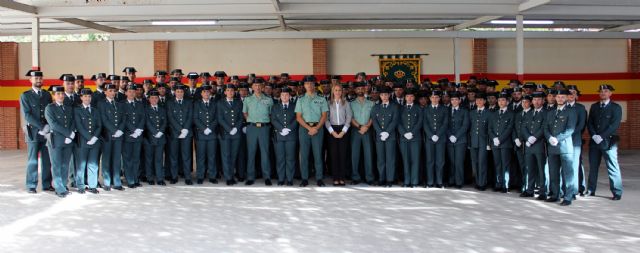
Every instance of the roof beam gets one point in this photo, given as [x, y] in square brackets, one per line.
[474, 22]
[16, 6]
[92, 25]
[276, 6]
[531, 4]
[623, 28]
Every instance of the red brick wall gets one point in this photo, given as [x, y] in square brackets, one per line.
[320, 60]
[9, 116]
[633, 55]
[479, 56]
[161, 55]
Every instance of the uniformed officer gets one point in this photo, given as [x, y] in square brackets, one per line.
[121, 95]
[192, 92]
[99, 95]
[113, 122]
[435, 125]
[70, 97]
[256, 109]
[409, 133]
[385, 118]
[134, 114]
[79, 84]
[205, 120]
[457, 139]
[32, 106]
[361, 136]
[604, 121]
[230, 123]
[500, 129]
[130, 73]
[478, 141]
[285, 128]
[89, 127]
[532, 133]
[180, 119]
[60, 140]
[311, 113]
[155, 126]
[519, 140]
[581, 123]
[559, 127]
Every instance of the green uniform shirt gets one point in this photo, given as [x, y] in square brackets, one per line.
[257, 109]
[311, 107]
[362, 111]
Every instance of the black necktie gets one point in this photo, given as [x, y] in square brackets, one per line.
[206, 104]
[286, 106]
[61, 107]
[602, 105]
[229, 103]
[155, 108]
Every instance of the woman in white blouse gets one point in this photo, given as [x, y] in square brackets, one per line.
[337, 124]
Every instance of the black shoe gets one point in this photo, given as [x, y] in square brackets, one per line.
[406, 185]
[233, 181]
[389, 184]
[320, 183]
[49, 189]
[565, 203]
[213, 181]
[241, 179]
[119, 188]
[107, 188]
[32, 190]
[590, 193]
[290, 183]
[81, 191]
[526, 195]
[151, 182]
[370, 183]
[541, 197]
[581, 194]
[382, 184]
[137, 185]
[229, 182]
[267, 182]
[173, 181]
[200, 181]
[93, 190]
[552, 200]
[131, 186]
[439, 186]
[143, 179]
[304, 183]
[280, 183]
[99, 185]
[616, 197]
[162, 183]
[249, 182]
[505, 190]
[355, 182]
[73, 184]
[497, 189]
[188, 182]
[62, 195]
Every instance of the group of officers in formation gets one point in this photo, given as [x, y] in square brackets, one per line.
[526, 137]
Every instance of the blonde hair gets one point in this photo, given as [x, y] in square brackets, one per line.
[332, 98]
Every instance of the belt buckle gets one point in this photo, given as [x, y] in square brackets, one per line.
[258, 124]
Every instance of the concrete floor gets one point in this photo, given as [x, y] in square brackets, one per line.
[217, 218]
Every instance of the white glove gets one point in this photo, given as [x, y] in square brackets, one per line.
[183, 133]
[244, 130]
[67, 140]
[496, 141]
[488, 147]
[518, 143]
[453, 139]
[138, 132]
[408, 136]
[92, 141]
[384, 136]
[42, 132]
[207, 131]
[159, 134]
[118, 134]
[46, 128]
[233, 131]
[528, 144]
[532, 139]
[597, 139]
[284, 133]
[286, 130]
[435, 138]
[133, 135]
[553, 141]
[73, 135]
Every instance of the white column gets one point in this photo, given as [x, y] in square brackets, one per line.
[520, 46]
[35, 43]
[456, 58]
[112, 57]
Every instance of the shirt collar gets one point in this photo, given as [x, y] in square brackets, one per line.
[560, 108]
[130, 101]
[86, 106]
[455, 107]
[36, 89]
[606, 102]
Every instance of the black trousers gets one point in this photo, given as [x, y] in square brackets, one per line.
[338, 154]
